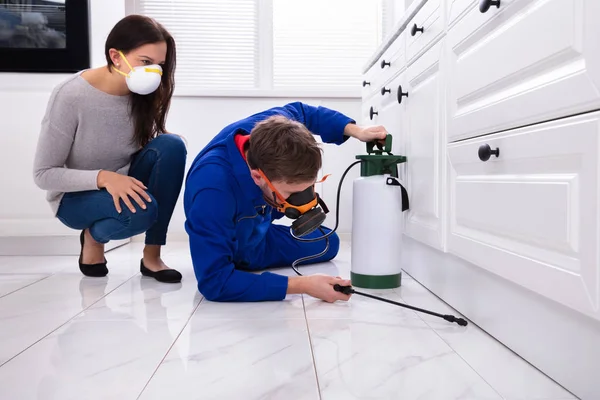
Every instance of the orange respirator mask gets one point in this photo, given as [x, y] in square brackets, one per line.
[302, 207]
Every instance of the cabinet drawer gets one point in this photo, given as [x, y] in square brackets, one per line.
[530, 215]
[370, 82]
[430, 19]
[526, 62]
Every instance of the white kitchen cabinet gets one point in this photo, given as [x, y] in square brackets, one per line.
[424, 147]
[525, 62]
[530, 215]
[511, 241]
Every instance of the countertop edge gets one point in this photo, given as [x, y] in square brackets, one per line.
[398, 29]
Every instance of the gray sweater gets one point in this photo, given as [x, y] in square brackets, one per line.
[83, 131]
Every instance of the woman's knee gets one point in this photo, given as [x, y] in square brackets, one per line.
[143, 219]
[170, 145]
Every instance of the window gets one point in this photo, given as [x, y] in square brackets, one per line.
[270, 47]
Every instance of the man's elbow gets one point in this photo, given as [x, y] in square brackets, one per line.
[212, 292]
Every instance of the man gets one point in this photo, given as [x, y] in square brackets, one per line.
[231, 188]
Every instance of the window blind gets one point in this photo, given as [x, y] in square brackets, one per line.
[270, 46]
[323, 44]
[217, 41]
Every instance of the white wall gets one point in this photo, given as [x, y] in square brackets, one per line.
[23, 100]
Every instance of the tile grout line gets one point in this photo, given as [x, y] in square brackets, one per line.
[170, 348]
[310, 344]
[66, 322]
[454, 350]
[26, 286]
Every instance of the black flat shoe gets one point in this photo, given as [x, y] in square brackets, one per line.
[94, 270]
[166, 275]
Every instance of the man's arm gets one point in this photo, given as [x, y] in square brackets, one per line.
[329, 124]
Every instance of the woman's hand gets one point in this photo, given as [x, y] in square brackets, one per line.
[123, 187]
[366, 134]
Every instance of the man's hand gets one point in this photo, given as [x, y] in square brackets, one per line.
[319, 286]
[366, 134]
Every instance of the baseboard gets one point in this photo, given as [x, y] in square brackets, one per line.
[51, 245]
[563, 344]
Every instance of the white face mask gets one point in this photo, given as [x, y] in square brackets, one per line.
[144, 79]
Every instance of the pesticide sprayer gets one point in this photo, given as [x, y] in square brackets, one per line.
[379, 199]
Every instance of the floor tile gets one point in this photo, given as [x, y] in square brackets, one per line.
[291, 307]
[90, 360]
[102, 338]
[36, 264]
[510, 375]
[237, 359]
[146, 299]
[31, 313]
[390, 359]
[10, 283]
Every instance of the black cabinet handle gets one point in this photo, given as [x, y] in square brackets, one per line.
[485, 152]
[484, 5]
[416, 29]
[384, 91]
[372, 112]
[384, 63]
[401, 94]
[365, 83]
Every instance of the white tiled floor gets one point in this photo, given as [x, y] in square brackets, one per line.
[65, 336]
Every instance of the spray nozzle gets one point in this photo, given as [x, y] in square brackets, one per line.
[343, 289]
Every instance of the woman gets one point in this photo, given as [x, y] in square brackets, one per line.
[104, 156]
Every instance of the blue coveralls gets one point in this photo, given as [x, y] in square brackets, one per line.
[229, 223]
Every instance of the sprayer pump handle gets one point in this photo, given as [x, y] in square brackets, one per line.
[343, 289]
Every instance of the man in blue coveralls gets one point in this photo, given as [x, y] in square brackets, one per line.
[234, 188]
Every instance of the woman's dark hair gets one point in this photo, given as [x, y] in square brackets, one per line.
[149, 112]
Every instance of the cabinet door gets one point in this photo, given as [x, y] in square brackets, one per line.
[526, 62]
[531, 215]
[424, 169]
[393, 117]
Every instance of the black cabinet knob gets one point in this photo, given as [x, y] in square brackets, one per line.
[384, 63]
[485, 152]
[384, 91]
[484, 5]
[401, 94]
[372, 112]
[365, 83]
[416, 29]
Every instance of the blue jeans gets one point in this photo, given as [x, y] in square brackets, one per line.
[160, 166]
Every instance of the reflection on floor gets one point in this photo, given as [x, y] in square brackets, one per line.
[65, 336]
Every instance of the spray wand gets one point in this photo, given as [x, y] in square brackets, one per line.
[348, 289]
[447, 317]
